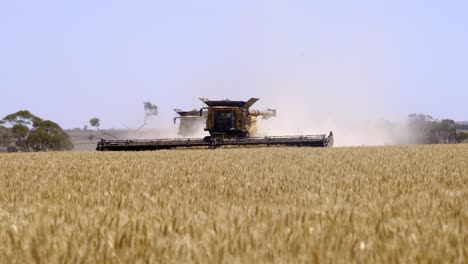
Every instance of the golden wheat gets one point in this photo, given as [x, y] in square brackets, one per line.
[377, 204]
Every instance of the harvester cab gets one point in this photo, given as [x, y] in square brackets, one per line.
[233, 119]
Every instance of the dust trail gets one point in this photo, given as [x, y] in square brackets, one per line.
[311, 98]
[338, 98]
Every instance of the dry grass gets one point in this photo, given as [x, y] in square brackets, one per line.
[380, 204]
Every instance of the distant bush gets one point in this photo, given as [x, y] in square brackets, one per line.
[12, 149]
[462, 126]
[462, 136]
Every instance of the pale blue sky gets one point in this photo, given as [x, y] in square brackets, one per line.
[71, 60]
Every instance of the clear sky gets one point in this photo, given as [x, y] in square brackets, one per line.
[71, 60]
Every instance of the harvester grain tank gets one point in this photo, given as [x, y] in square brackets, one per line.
[229, 123]
[191, 123]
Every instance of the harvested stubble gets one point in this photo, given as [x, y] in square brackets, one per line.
[376, 204]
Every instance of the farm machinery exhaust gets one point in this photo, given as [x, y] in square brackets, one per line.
[229, 123]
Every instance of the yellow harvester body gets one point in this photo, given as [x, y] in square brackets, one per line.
[228, 119]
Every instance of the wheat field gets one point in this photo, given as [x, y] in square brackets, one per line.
[404, 204]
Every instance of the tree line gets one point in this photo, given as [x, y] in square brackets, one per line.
[424, 129]
[25, 132]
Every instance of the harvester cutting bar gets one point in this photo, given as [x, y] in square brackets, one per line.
[157, 144]
[149, 144]
[296, 141]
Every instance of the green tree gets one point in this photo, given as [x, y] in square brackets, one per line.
[34, 134]
[21, 123]
[95, 122]
[444, 131]
[462, 136]
[21, 133]
[49, 136]
[150, 111]
[420, 127]
[23, 117]
[424, 129]
[6, 136]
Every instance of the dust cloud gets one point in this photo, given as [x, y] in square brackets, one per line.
[349, 104]
[356, 117]
[341, 98]
[353, 122]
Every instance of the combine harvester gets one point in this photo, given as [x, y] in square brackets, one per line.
[230, 123]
